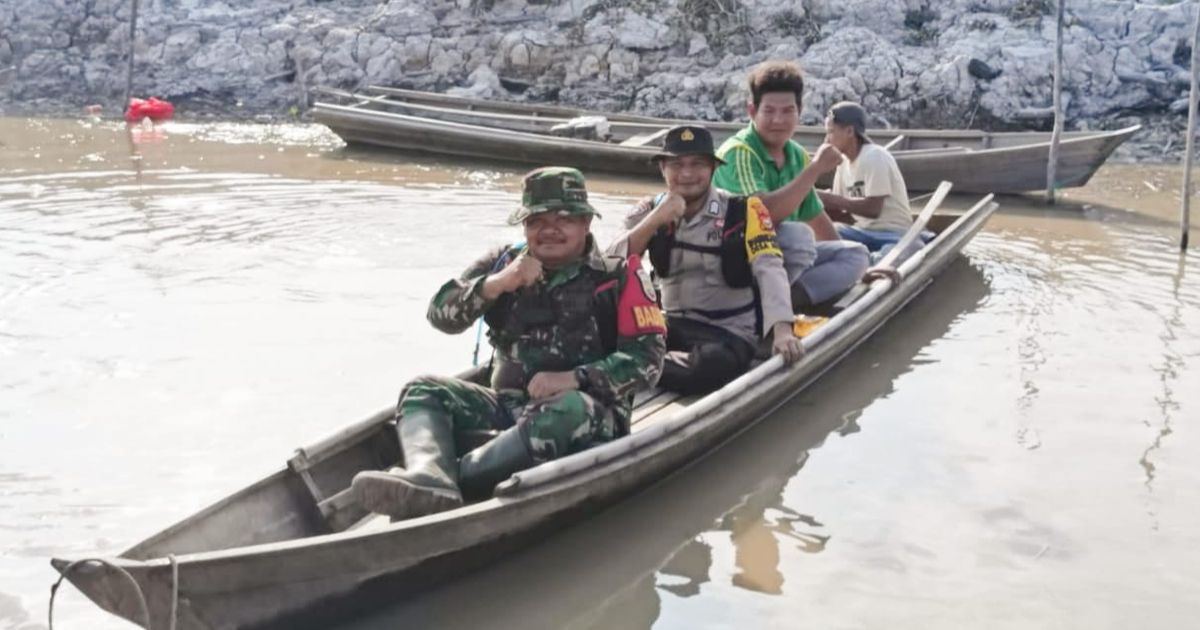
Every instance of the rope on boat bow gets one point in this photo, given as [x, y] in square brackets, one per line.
[137, 589]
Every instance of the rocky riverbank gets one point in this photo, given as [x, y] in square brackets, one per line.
[917, 63]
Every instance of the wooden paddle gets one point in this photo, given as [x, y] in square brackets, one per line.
[914, 231]
[885, 268]
[894, 141]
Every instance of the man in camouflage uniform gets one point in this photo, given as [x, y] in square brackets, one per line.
[575, 333]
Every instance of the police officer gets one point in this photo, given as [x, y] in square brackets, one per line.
[723, 282]
[575, 333]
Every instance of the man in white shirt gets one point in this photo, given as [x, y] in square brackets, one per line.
[869, 196]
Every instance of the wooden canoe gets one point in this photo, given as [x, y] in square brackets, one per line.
[295, 541]
[976, 161]
[671, 519]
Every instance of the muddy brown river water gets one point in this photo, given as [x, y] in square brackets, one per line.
[1017, 449]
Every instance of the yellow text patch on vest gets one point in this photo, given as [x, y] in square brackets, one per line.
[649, 317]
[760, 232]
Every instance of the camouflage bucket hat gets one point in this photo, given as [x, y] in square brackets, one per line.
[552, 189]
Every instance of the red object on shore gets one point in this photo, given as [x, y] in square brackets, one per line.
[151, 108]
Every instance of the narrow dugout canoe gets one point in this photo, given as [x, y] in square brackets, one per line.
[976, 161]
[662, 538]
[295, 542]
[539, 118]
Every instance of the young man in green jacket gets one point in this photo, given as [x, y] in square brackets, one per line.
[762, 158]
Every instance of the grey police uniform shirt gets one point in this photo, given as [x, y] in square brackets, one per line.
[696, 284]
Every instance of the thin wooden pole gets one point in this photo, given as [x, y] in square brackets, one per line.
[1186, 210]
[133, 11]
[1052, 166]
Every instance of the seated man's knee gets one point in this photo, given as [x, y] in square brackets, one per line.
[573, 402]
[858, 257]
[799, 246]
[558, 424]
[442, 393]
[796, 232]
[841, 265]
[423, 387]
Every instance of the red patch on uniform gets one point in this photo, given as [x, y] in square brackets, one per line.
[637, 311]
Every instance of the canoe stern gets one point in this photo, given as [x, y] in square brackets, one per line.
[118, 585]
[1104, 148]
[103, 584]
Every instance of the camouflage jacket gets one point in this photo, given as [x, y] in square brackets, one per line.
[554, 326]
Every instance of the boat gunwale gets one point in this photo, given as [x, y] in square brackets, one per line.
[415, 97]
[618, 150]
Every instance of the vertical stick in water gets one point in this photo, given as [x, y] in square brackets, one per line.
[1186, 211]
[1052, 166]
[133, 11]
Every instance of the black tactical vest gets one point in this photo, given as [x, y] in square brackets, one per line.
[735, 266]
[513, 314]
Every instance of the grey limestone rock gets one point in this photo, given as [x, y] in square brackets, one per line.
[911, 62]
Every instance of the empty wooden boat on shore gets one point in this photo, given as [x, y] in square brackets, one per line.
[976, 161]
[296, 541]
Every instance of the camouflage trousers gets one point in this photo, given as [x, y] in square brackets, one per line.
[559, 425]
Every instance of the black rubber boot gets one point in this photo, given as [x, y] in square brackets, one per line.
[428, 483]
[480, 470]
